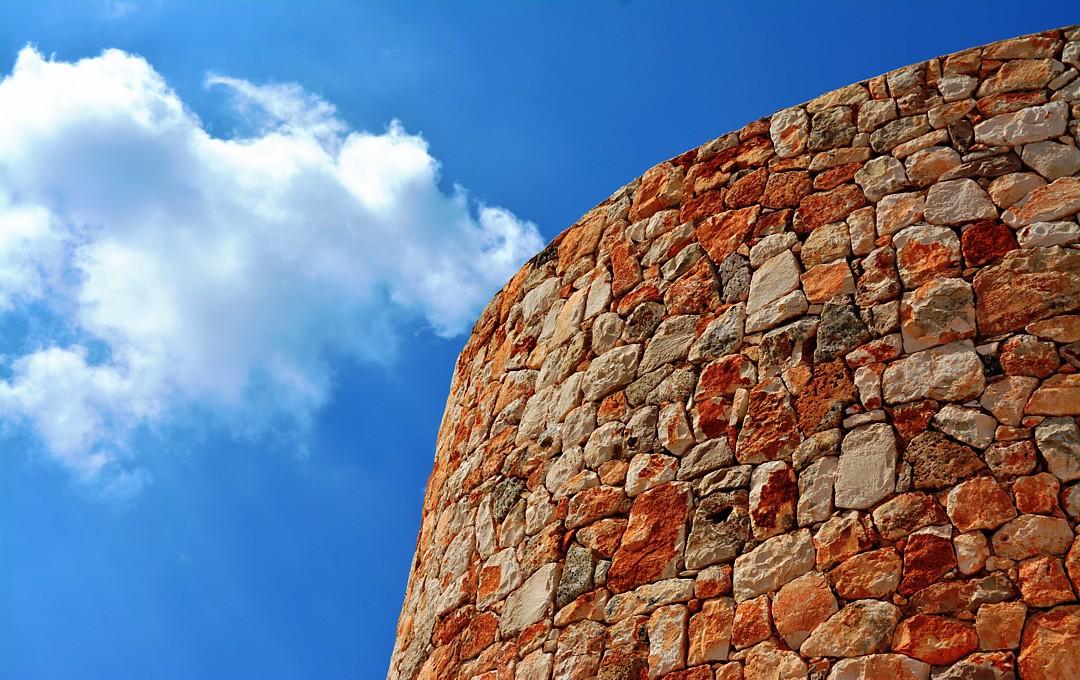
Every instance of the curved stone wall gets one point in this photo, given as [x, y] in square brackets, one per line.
[799, 403]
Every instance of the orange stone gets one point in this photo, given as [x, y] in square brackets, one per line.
[654, 538]
[824, 207]
[801, 606]
[722, 234]
[1050, 649]
[874, 574]
[927, 558]
[710, 632]
[751, 623]
[1043, 582]
[935, 639]
[999, 625]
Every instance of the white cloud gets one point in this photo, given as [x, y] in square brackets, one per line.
[180, 273]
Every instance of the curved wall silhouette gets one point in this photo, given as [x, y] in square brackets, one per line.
[798, 403]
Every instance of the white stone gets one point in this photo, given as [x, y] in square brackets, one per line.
[881, 176]
[826, 244]
[673, 429]
[773, 280]
[529, 603]
[972, 551]
[770, 246]
[784, 308]
[968, 425]
[1051, 159]
[610, 371]
[957, 201]
[1045, 234]
[1032, 124]
[867, 470]
[789, 132]
[1009, 189]
[816, 491]
[951, 372]
[509, 577]
[775, 562]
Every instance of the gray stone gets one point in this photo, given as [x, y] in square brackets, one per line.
[839, 331]
[723, 335]
[670, 342]
[773, 280]
[720, 529]
[734, 274]
[831, 128]
[1046, 234]
[816, 491]
[897, 132]
[968, 425]
[867, 469]
[577, 575]
[784, 308]
[704, 458]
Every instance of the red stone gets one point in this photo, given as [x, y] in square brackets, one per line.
[835, 176]
[824, 207]
[751, 624]
[1050, 649]
[985, 242]
[747, 189]
[1027, 285]
[702, 205]
[769, 429]
[822, 401]
[695, 292]
[926, 559]
[1043, 582]
[625, 270]
[660, 187]
[786, 189]
[1037, 494]
[722, 234]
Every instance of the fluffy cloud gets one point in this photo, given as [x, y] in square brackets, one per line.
[157, 271]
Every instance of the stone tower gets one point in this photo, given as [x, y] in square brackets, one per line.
[798, 403]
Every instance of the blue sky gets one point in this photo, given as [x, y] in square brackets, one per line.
[220, 382]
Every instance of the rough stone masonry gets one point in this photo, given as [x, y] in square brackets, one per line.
[798, 403]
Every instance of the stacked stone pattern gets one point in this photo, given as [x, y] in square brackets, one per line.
[799, 403]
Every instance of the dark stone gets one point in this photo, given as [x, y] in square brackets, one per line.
[735, 277]
[840, 330]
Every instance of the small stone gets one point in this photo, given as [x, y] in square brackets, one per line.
[896, 211]
[925, 253]
[1037, 494]
[840, 330]
[862, 627]
[1064, 329]
[752, 622]
[880, 667]
[720, 529]
[979, 503]
[1017, 458]
[774, 563]
[1045, 234]
[924, 167]
[654, 538]
[529, 603]
[879, 281]
[765, 663]
[1006, 398]
[951, 372]
[1024, 355]
[972, 551]
[927, 557]
[773, 497]
[934, 639]
[825, 281]
[667, 640]
[770, 429]
[611, 371]
[841, 537]
[939, 462]
[1032, 535]
[789, 132]
[999, 625]
[831, 128]
[1055, 201]
[874, 574]
[816, 491]
[1043, 582]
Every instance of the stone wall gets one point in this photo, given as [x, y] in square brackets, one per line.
[801, 402]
